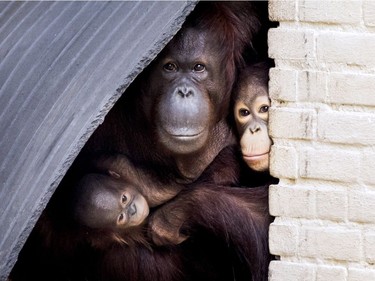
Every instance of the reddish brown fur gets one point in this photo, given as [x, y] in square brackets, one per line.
[233, 25]
[232, 214]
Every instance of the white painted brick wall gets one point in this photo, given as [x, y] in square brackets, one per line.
[325, 273]
[346, 47]
[281, 270]
[322, 122]
[345, 12]
[369, 12]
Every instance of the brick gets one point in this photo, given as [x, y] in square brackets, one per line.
[368, 167]
[283, 84]
[282, 10]
[296, 202]
[331, 205]
[283, 162]
[352, 89]
[369, 245]
[283, 239]
[345, 12]
[369, 12]
[290, 44]
[330, 273]
[346, 48]
[312, 86]
[361, 274]
[302, 120]
[336, 243]
[362, 206]
[329, 164]
[346, 127]
[287, 271]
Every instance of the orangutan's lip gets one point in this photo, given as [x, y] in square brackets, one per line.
[187, 137]
[255, 157]
[185, 134]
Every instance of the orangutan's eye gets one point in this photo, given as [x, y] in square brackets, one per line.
[170, 67]
[124, 199]
[121, 219]
[244, 112]
[264, 109]
[199, 67]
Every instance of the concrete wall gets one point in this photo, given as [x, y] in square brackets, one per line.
[323, 126]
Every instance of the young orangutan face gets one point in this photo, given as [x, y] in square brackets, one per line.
[106, 202]
[251, 116]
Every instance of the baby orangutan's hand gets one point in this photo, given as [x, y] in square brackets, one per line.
[165, 224]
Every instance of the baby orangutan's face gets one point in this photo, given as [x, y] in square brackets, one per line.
[132, 208]
[109, 203]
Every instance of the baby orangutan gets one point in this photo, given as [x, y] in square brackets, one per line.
[114, 201]
[105, 202]
[251, 104]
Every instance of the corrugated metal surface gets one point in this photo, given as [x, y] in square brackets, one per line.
[61, 65]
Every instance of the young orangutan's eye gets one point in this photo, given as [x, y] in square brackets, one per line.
[124, 199]
[264, 109]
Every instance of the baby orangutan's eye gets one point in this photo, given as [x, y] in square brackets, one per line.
[124, 199]
[121, 219]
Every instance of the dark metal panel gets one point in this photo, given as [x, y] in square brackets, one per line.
[62, 65]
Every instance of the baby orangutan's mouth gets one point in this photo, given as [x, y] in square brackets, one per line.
[255, 157]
